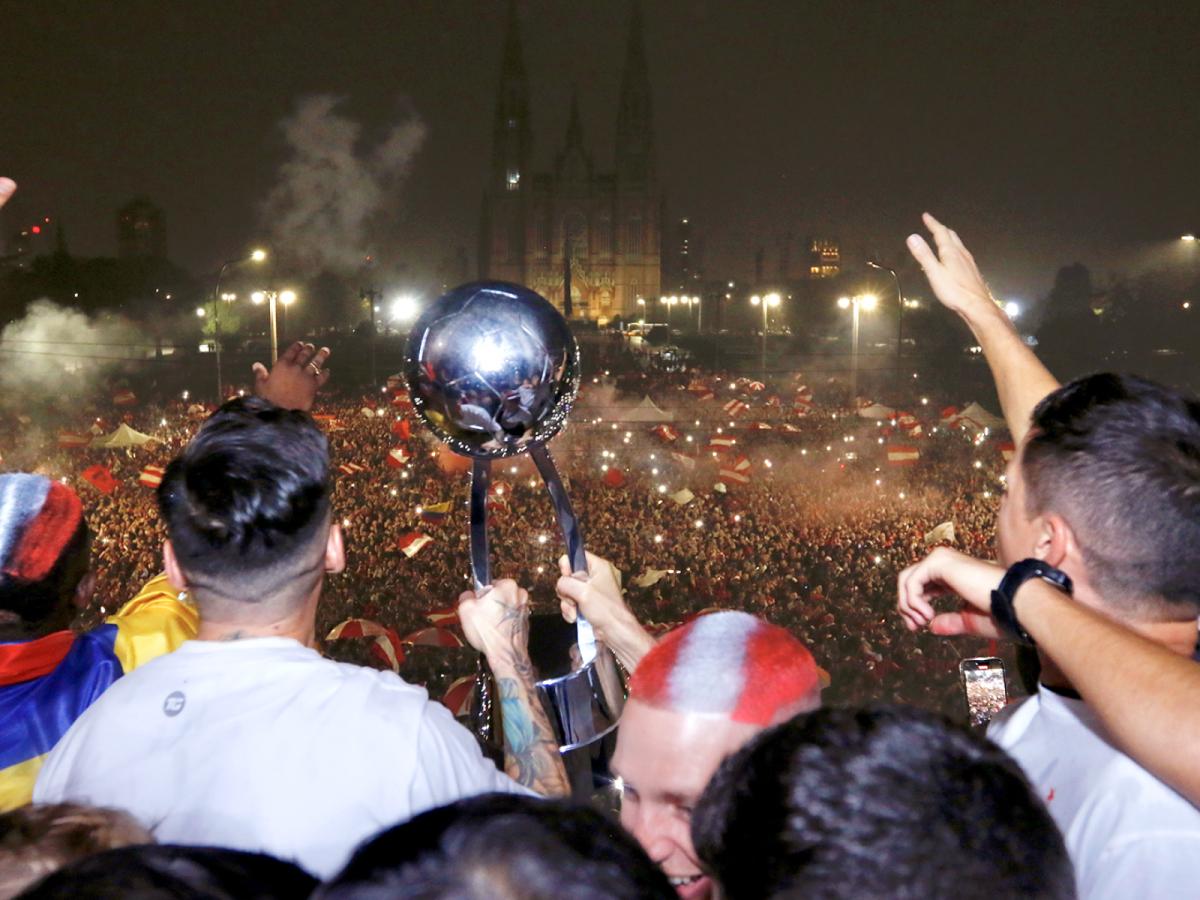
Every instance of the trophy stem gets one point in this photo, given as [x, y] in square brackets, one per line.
[481, 564]
[571, 533]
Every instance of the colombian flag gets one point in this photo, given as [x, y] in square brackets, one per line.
[47, 683]
[436, 512]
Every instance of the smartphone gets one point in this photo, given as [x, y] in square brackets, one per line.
[982, 680]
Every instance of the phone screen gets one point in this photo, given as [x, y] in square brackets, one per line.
[983, 684]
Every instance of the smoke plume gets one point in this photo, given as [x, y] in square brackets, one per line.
[56, 351]
[331, 189]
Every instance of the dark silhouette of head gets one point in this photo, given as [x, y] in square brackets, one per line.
[881, 802]
[501, 847]
[166, 872]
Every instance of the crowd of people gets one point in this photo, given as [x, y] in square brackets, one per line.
[812, 542]
[198, 741]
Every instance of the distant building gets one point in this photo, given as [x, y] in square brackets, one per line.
[141, 231]
[608, 224]
[824, 258]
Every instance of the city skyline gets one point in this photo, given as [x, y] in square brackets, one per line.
[1047, 136]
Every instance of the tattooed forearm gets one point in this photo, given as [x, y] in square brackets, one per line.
[530, 751]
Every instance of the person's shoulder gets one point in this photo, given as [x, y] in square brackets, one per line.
[1007, 726]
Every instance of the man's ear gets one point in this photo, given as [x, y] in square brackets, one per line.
[335, 550]
[175, 576]
[85, 589]
[1055, 540]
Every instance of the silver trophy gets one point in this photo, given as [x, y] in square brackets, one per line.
[493, 369]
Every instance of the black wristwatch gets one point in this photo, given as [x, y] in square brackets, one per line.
[1017, 575]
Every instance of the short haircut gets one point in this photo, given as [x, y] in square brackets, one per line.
[501, 847]
[246, 502]
[1118, 457]
[168, 872]
[41, 838]
[731, 664]
[880, 802]
[45, 546]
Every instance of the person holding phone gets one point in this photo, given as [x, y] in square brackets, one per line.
[1102, 506]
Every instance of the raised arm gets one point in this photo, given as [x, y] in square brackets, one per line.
[497, 625]
[1144, 694]
[1021, 379]
[598, 595]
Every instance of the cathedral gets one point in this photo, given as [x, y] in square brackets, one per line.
[604, 228]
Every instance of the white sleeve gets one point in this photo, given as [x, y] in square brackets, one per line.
[1158, 864]
[450, 765]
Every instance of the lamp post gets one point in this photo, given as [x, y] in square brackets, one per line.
[867, 302]
[253, 256]
[766, 302]
[899, 311]
[641, 301]
[287, 298]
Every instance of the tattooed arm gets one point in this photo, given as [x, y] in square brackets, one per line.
[497, 625]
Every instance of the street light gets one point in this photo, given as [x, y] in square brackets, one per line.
[859, 301]
[257, 255]
[405, 308]
[1188, 238]
[767, 302]
[287, 298]
[641, 301]
[900, 305]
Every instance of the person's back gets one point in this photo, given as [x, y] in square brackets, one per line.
[262, 744]
[48, 674]
[247, 737]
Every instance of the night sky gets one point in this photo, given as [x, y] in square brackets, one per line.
[1044, 132]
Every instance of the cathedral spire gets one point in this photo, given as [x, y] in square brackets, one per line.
[511, 131]
[635, 137]
[574, 126]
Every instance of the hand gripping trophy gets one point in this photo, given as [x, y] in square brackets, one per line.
[493, 369]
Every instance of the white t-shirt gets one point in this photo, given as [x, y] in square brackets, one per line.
[1129, 835]
[264, 745]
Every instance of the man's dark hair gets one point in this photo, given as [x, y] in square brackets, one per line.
[246, 504]
[880, 802]
[1118, 457]
[165, 872]
[501, 847]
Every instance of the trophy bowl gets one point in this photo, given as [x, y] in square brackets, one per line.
[491, 368]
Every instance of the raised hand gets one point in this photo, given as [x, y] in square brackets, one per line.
[598, 596]
[295, 378]
[496, 623]
[943, 572]
[952, 272]
[8, 187]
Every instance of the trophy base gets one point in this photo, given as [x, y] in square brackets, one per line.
[582, 702]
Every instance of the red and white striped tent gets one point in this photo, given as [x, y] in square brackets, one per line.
[387, 646]
[433, 637]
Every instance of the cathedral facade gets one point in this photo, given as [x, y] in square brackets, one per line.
[604, 228]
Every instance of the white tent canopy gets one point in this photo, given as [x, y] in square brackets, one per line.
[977, 418]
[123, 437]
[646, 411]
[876, 411]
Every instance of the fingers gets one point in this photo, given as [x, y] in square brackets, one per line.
[292, 354]
[964, 621]
[8, 187]
[564, 565]
[260, 373]
[921, 252]
[569, 611]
